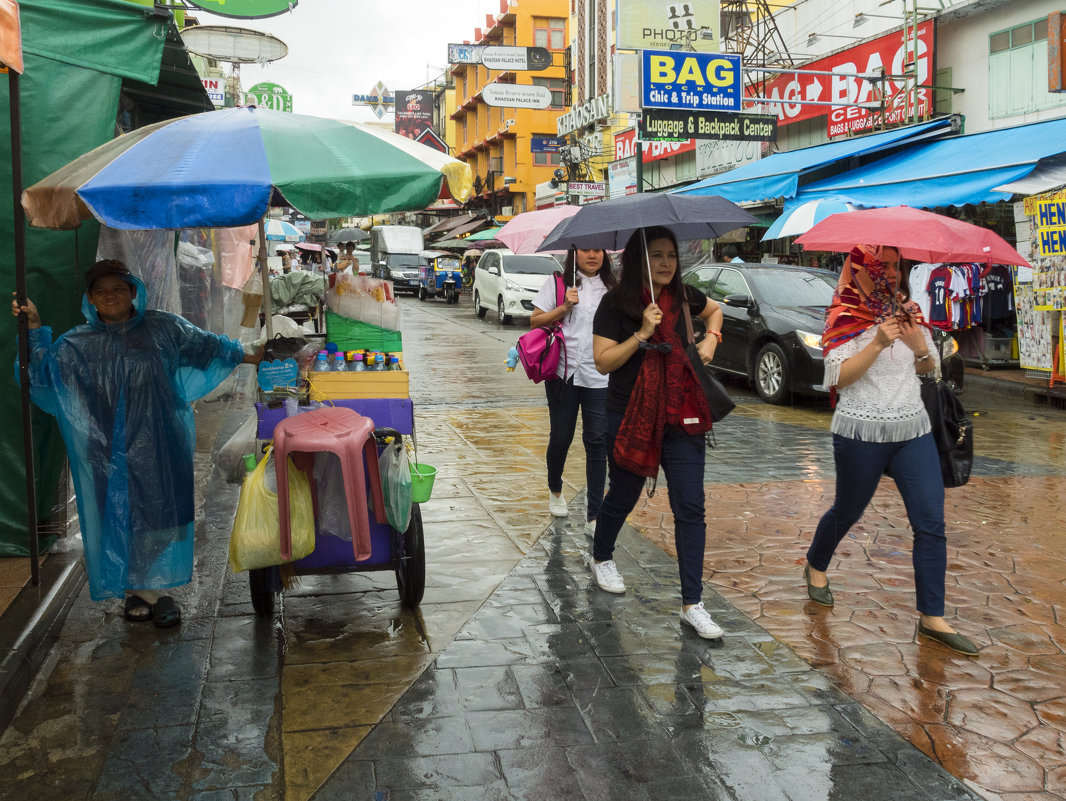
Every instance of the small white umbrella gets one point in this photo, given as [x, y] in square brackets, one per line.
[799, 218]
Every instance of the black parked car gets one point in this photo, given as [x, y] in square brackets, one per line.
[772, 326]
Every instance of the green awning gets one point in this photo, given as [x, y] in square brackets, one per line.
[481, 236]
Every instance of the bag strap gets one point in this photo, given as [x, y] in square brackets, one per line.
[688, 315]
[560, 289]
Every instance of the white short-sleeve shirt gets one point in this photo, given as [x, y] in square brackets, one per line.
[577, 330]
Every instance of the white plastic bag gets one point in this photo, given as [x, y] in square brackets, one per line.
[396, 484]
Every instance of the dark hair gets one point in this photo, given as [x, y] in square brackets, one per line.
[606, 271]
[730, 252]
[634, 271]
[106, 267]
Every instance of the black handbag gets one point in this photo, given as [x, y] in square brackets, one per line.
[718, 399]
[952, 430]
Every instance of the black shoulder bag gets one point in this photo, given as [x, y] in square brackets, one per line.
[720, 402]
[952, 431]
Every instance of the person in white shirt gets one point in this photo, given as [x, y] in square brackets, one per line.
[578, 385]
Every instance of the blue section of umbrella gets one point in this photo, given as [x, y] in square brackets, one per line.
[798, 217]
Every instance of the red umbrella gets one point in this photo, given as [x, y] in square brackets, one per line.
[918, 234]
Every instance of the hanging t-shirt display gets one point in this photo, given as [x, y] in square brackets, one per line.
[938, 288]
[999, 294]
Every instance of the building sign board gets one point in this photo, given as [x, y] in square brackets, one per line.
[268, 95]
[692, 81]
[216, 90]
[599, 108]
[515, 95]
[464, 53]
[414, 112]
[691, 25]
[379, 99]
[622, 178]
[886, 51]
[516, 58]
[625, 146]
[671, 124]
[545, 144]
[587, 188]
[246, 9]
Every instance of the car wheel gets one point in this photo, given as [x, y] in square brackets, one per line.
[422, 293]
[505, 319]
[479, 310]
[772, 374]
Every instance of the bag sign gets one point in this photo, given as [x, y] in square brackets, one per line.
[690, 81]
[672, 124]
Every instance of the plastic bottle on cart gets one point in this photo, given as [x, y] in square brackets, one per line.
[322, 362]
[394, 363]
[357, 362]
[339, 365]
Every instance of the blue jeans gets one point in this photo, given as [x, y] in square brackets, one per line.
[682, 457]
[915, 467]
[563, 401]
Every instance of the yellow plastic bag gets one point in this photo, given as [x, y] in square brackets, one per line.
[256, 537]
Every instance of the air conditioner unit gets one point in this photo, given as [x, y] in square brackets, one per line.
[506, 211]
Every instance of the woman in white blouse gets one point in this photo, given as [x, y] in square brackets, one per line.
[876, 344]
[577, 385]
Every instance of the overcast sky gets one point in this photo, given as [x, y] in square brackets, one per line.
[338, 48]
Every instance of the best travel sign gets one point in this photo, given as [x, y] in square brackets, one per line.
[690, 81]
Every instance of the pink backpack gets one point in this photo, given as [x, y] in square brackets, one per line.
[540, 348]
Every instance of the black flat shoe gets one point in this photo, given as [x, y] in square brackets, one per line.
[954, 641]
[820, 595]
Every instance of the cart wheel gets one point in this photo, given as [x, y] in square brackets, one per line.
[264, 584]
[411, 574]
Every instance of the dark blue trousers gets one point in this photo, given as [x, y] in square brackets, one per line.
[915, 467]
[564, 400]
[682, 458]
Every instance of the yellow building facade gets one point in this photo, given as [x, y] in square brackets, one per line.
[504, 145]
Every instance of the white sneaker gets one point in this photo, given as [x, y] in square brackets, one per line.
[590, 529]
[557, 505]
[606, 576]
[700, 620]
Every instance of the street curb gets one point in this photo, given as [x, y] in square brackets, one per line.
[31, 627]
[1049, 397]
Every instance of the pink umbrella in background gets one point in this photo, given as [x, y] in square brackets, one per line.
[524, 232]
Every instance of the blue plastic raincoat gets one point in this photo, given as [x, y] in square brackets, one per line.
[122, 393]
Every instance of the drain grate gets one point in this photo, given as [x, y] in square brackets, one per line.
[1051, 401]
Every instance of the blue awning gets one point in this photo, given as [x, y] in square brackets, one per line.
[779, 175]
[948, 172]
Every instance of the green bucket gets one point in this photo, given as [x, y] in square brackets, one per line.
[422, 476]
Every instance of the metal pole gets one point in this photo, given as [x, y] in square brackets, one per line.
[639, 156]
[19, 221]
[264, 271]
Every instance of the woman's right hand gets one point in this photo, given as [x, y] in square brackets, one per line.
[653, 315]
[571, 298]
[32, 316]
[887, 333]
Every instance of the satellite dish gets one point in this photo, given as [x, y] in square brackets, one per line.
[235, 45]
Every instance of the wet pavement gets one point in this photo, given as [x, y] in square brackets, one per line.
[517, 678]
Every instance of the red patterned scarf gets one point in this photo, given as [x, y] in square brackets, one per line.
[667, 392]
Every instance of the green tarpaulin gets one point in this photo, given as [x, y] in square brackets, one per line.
[77, 53]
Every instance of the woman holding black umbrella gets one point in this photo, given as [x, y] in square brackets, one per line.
[657, 414]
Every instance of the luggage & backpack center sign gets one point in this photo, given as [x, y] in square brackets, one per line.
[690, 81]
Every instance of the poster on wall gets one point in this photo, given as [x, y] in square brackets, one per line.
[414, 113]
[690, 26]
[1039, 300]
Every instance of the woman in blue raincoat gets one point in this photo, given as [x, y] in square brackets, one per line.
[120, 387]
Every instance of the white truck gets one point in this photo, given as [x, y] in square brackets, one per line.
[507, 282]
[394, 255]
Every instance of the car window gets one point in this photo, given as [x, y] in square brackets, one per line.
[486, 261]
[729, 282]
[530, 265]
[794, 288]
[701, 278]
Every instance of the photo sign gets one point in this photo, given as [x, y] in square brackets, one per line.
[671, 124]
[690, 81]
[690, 26]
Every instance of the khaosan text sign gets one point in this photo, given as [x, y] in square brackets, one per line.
[886, 51]
[690, 81]
[690, 25]
[674, 124]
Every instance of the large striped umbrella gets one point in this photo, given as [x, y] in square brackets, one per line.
[281, 231]
[224, 168]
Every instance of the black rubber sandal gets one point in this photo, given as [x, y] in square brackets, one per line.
[166, 612]
[137, 610]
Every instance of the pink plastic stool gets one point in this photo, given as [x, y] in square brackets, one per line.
[349, 435]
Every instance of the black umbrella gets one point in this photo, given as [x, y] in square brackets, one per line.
[609, 225]
[348, 235]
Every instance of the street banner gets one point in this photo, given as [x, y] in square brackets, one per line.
[216, 90]
[414, 113]
[625, 146]
[516, 95]
[689, 26]
[268, 95]
[667, 124]
[516, 58]
[867, 58]
[246, 9]
[692, 81]
[622, 178]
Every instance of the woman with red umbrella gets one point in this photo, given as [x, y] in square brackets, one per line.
[876, 344]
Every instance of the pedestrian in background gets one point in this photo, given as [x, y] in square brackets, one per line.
[120, 387]
[657, 414]
[578, 385]
[876, 345]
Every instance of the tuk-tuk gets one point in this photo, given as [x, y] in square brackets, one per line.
[440, 276]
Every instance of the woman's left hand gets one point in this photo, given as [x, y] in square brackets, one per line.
[912, 335]
[707, 347]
